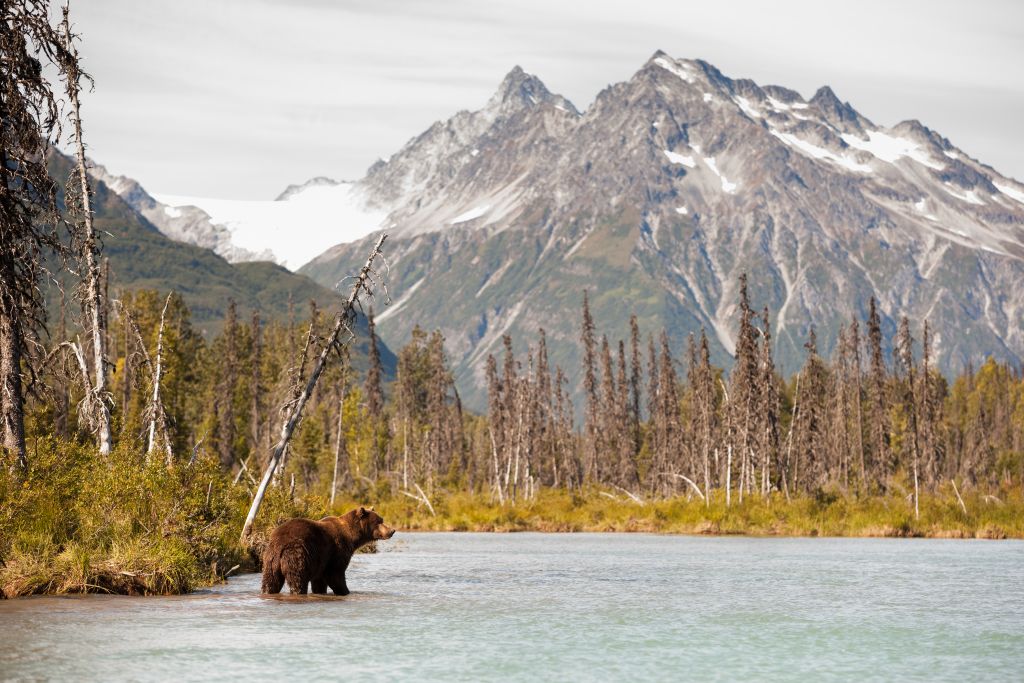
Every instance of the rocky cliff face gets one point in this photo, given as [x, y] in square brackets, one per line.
[661, 194]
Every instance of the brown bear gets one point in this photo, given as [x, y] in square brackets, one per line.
[301, 551]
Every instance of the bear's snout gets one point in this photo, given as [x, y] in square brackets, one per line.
[383, 532]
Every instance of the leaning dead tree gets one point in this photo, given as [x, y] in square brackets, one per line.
[98, 399]
[343, 322]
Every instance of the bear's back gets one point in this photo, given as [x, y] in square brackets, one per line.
[302, 532]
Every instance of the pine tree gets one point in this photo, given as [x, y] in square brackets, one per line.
[591, 417]
[857, 400]
[743, 391]
[809, 467]
[628, 474]
[770, 409]
[635, 380]
[878, 416]
[225, 397]
[373, 391]
[668, 441]
[496, 419]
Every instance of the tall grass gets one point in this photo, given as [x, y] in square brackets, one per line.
[828, 514]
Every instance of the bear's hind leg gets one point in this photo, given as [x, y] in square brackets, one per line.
[297, 583]
[319, 586]
[273, 580]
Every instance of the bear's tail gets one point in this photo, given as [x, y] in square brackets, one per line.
[273, 578]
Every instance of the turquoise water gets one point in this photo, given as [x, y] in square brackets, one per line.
[530, 607]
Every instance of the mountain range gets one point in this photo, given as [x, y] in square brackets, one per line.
[657, 198]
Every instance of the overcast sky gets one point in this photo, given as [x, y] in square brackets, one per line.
[240, 98]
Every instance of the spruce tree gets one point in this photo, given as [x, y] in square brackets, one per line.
[590, 390]
[878, 418]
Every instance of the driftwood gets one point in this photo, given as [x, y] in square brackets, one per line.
[341, 322]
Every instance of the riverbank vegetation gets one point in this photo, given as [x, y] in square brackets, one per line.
[941, 516]
[133, 446]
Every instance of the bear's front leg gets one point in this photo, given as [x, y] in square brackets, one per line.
[338, 585]
[319, 586]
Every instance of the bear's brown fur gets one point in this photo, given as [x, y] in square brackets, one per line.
[304, 551]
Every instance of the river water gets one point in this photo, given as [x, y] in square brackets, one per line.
[557, 607]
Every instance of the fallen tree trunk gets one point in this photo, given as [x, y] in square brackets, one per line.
[342, 322]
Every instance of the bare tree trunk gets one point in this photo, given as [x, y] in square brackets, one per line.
[728, 477]
[497, 470]
[342, 322]
[99, 404]
[11, 397]
[156, 407]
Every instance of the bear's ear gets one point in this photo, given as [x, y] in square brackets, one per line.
[370, 508]
[361, 512]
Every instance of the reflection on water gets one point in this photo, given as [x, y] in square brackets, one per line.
[569, 606]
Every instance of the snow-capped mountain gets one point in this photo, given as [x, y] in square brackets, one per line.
[662, 193]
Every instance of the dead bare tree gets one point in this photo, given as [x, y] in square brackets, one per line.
[343, 321]
[155, 414]
[98, 398]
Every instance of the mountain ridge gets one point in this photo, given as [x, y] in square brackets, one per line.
[668, 187]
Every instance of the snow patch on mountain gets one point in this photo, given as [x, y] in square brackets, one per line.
[677, 158]
[891, 148]
[727, 185]
[1010, 191]
[971, 196]
[816, 152]
[677, 68]
[296, 229]
[472, 214]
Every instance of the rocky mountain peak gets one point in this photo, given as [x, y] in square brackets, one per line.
[840, 114]
[521, 90]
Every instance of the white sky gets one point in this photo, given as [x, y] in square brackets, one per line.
[240, 98]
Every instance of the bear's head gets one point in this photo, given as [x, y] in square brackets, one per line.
[372, 526]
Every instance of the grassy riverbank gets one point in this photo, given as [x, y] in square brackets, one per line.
[77, 522]
[941, 516]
